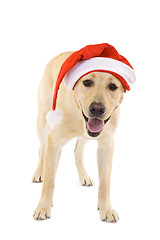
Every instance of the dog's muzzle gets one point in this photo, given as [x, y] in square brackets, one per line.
[94, 125]
[96, 110]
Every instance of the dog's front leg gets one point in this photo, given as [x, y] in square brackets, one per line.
[104, 158]
[53, 150]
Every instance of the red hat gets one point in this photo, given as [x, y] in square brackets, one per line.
[100, 57]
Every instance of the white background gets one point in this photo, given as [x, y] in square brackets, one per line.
[33, 32]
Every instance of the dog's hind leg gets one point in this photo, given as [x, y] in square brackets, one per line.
[42, 130]
[85, 180]
[38, 174]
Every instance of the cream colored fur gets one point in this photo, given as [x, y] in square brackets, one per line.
[73, 125]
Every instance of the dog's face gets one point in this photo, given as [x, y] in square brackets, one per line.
[98, 94]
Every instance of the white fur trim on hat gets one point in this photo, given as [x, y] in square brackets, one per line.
[98, 63]
[54, 117]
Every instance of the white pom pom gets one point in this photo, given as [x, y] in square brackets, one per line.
[54, 117]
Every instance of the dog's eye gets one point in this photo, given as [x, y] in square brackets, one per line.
[87, 83]
[112, 87]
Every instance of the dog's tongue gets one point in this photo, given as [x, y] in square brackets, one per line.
[95, 125]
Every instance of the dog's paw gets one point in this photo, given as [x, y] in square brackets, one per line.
[42, 213]
[37, 177]
[86, 181]
[108, 216]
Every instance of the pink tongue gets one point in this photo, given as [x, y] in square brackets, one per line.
[95, 125]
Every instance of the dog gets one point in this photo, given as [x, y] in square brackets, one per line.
[91, 111]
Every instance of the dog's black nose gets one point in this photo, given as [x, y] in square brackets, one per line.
[97, 109]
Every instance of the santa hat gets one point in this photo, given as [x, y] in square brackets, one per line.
[92, 58]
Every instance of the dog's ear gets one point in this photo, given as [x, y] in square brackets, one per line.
[121, 99]
[77, 103]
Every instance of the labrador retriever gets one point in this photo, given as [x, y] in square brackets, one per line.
[90, 111]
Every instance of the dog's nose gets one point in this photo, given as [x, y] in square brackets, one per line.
[97, 109]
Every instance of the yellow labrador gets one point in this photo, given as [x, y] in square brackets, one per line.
[90, 111]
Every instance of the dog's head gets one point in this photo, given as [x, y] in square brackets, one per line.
[98, 94]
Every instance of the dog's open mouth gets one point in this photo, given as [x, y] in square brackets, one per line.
[94, 125]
